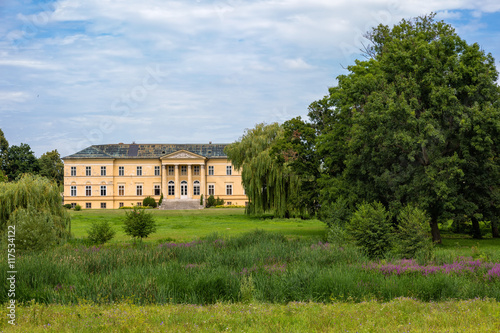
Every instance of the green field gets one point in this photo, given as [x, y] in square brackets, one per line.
[220, 270]
[186, 225]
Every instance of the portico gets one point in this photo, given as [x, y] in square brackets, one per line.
[183, 175]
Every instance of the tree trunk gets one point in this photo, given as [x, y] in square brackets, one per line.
[436, 235]
[476, 230]
[494, 228]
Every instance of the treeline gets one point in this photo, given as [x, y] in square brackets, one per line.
[17, 160]
[415, 124]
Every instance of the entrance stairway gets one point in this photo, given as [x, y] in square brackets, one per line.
[181, 204]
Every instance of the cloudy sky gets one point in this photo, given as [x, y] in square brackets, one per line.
[79, 72]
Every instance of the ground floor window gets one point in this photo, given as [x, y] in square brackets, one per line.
[139, 204]
[73, 191]
[211, 189]
[139, 189]
[103, 205]
[121, 189]
[88, 205]
[196, 188]
[229, 203]
[171, 188]
[73, 204]
[157, 189]
[229, 189]
[120, 204]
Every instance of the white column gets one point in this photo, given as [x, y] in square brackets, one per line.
[203, 181]
[190, 183]
[177, 183]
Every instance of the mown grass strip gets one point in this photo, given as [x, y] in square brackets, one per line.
[399, 315]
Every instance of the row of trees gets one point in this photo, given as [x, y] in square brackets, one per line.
[17, 160]
[417, 122]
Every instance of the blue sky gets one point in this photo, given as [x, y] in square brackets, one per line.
[81, 72]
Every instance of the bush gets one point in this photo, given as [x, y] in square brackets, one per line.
[201, 200]
[100, 233]
[161, 199]
[78, 208]
[149, 202]
[139, 223]
[35, 230]
[67, 206]
[412, 239]
[210, 201]
[370, 228]
[219, 202]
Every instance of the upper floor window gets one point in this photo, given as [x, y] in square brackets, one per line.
[73, 191]
[157, 189]
[211, 189]
[139, 171]
[88, 171]
[229, 170]
[210, 170]
[157, 170]
[196, 170]
[73, 171]
[184, 170]
[121, 189]
[103, 190]
[88, 190]
[171, 170]
[121, 171]
[139, 190]
[103, 171]
[229, 189]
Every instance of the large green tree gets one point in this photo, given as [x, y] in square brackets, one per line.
[51, 166]
[418, 121]
[269, 184]
[18, 160]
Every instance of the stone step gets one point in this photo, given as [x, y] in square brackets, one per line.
[181, 204]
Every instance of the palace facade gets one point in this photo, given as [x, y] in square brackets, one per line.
[116, 175]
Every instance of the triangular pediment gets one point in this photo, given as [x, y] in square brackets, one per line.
[182, 154]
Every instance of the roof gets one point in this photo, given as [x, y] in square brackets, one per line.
[132, 151]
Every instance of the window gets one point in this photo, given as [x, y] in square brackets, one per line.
[88, 205]
[157, 170]
[171, 170]
[184, 187]
[157, 189]
[229, 203]
[73, 204]
[121, 189]
[121, 171]
[88, 190]
[196, 188]
[103, 171]
[88, 171]
[196, 170]
[73, 191]
[171, 188]
[139, 204]
[139, 190]
[121, 204]
[73, 171]
[211, 189]
[229, 170]
[103, 205]
[139, 171]
[103, 191]
[184, 170]
[211, 170]
[229, 189]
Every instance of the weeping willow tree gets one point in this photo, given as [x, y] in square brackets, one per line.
[269, 184]
[34, 205]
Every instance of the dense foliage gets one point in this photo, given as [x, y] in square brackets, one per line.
[139, 223]
[149, 202]
[100, 232]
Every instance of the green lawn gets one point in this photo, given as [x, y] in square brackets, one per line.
[186, 225]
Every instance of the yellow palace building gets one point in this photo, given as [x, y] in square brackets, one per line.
[116, 175]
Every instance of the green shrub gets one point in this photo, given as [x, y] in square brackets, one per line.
[161, 199]
[67, 206]
[35, 230]
[412, 238]
[78, 208]
[211, 201]
[149, 202]
[219, 202]
[201, 200]
[370, 228]
[100, 233]
[139, 223]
